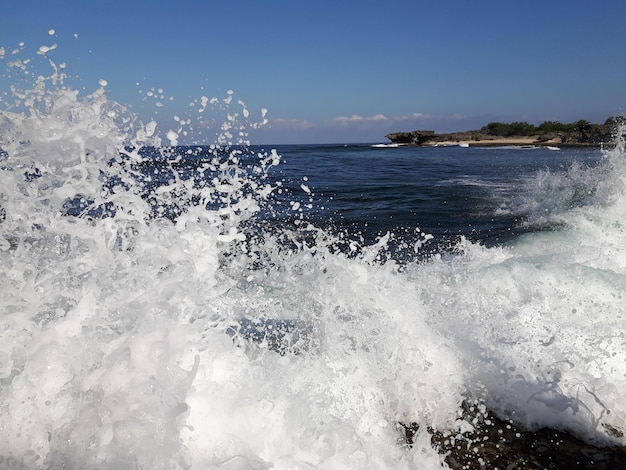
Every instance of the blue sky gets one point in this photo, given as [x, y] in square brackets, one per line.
[341, 71]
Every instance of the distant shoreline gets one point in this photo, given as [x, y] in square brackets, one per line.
[445, 140]
[582, 134]
[508, 141]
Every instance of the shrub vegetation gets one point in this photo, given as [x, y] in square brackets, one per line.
[525, 129]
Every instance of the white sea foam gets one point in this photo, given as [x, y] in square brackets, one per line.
[116, 350]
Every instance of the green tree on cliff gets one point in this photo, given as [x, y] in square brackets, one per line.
[548, 127]
[495, 128]
[507, 130]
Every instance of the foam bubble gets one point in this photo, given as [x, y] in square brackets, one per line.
[173, 137]
[43, 50]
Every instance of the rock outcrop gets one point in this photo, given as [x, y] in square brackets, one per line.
[412, 138]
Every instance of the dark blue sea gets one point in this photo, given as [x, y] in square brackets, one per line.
[227, 305]
[488, 195]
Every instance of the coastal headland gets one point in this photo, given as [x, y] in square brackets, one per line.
[550, 133]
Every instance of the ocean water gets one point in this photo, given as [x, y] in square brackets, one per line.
[233, 306]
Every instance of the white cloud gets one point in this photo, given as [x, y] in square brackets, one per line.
[414, 116]
[357, 118]
[353, 118]
[381, 117]
[283, 123]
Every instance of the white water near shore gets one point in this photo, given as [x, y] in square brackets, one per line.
[115, 352]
